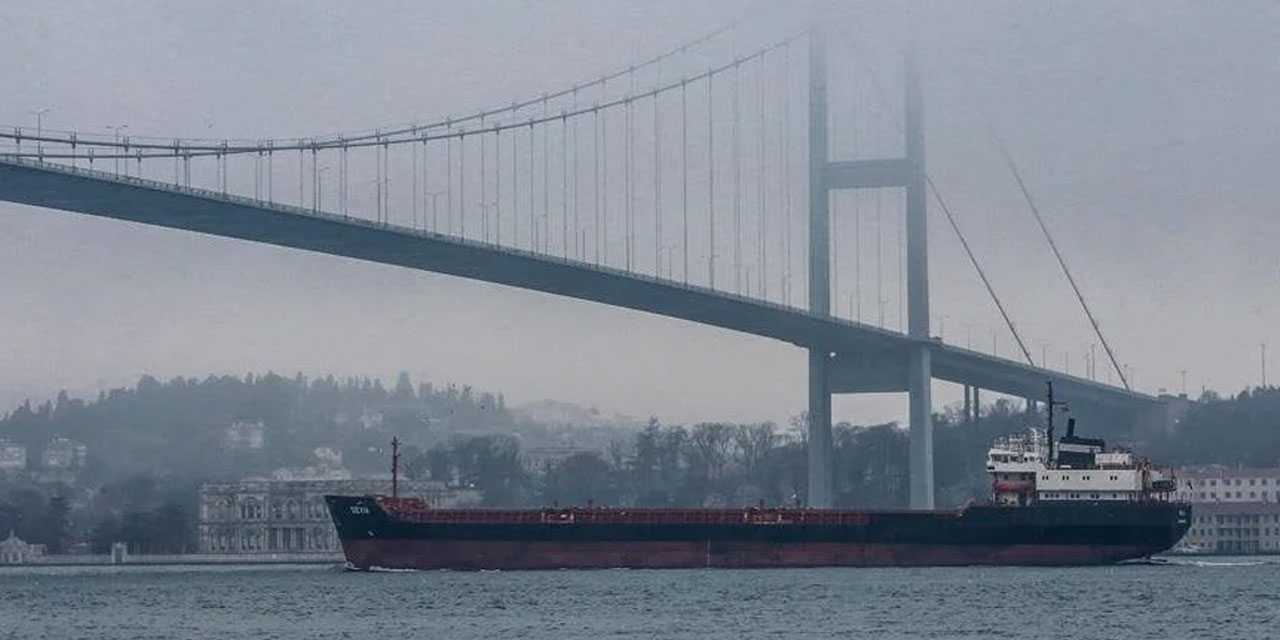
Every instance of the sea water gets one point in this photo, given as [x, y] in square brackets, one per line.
[1229, 598]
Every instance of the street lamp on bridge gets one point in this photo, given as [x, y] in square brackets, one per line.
[116, 161]
[39, 114]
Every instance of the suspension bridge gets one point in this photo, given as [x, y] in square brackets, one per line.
[697, 184]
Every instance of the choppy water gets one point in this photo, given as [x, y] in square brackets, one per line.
[1236, 598]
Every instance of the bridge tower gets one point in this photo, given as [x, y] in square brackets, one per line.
[907, 369]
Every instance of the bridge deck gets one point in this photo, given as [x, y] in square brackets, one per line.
[155, 203]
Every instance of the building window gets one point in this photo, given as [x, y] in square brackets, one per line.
[1213, 483]
[1251, 482]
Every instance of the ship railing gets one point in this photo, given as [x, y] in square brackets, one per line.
[416, 510]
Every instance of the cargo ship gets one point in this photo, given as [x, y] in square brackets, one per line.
[1069, 502]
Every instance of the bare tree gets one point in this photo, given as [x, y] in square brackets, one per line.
[754, 441]
[712, 442]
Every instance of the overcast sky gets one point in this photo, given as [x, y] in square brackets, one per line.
[1146, 131]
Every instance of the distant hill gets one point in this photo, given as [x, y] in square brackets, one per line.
[226, 427]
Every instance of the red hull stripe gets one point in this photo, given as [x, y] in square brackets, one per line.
[475, 555]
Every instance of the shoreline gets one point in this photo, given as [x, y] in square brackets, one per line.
[105, 560]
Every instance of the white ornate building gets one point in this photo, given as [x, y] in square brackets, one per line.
[14, 551]
[290, 516]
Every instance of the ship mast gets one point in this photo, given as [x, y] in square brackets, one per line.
[395, 467]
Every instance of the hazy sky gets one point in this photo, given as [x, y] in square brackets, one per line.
[1146, 130]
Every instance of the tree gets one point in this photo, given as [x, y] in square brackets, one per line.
[491, 464]
[579, 479]
[711, 442]
[753, 442]
[57, 522]
[404, 388]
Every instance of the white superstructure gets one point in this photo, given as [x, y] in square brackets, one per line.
[1025, 469]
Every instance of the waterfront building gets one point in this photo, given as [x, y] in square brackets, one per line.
[13, 550]
[1233, 510]
[289, 516]
[1217, 484]
[1234, 527]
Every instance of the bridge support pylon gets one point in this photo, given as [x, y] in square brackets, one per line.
[906, 172]
[919, 365]
[819, 434]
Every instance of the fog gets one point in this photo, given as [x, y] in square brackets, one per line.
[1145, 130]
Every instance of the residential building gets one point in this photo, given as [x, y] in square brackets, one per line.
[13, 456]
[63, 454]
[245, 436]
[538, 459]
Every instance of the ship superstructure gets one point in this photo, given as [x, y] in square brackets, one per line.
[1031, 468]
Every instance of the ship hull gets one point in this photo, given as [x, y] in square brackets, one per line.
[1079, 534]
